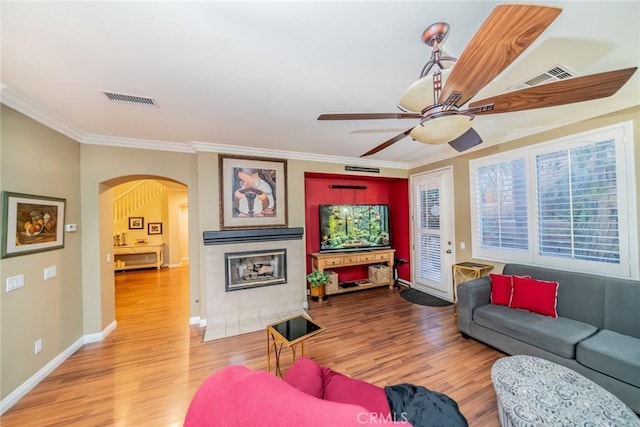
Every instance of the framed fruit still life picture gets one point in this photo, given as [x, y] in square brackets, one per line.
[31, 224]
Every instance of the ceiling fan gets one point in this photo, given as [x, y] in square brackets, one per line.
[437, 98]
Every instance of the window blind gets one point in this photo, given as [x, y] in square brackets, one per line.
[501, 203]
[577, 203]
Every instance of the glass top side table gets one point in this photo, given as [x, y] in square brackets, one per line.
[289, 333]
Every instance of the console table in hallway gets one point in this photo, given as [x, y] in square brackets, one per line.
[138, 256]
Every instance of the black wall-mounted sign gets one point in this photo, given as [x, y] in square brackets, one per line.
[361, 169]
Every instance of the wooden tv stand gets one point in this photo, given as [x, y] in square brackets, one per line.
[333, 260]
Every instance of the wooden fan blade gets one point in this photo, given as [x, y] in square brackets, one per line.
[576, 89]
[387, 143]
[467, 140]
[504, 35]
[368, 116]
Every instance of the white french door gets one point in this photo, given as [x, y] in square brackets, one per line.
[432, 232]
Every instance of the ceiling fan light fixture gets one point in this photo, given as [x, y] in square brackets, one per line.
[419, 95]
[441, 130]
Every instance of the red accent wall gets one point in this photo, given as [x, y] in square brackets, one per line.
[391, 191]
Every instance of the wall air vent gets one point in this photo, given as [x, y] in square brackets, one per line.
[130, 99]
[554, 74]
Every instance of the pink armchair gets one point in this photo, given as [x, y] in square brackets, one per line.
[308, 395]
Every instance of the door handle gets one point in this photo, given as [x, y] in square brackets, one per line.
[448, 251]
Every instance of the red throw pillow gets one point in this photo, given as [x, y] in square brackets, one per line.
[306, 375]
[343, 389]
[534, 295]
[501, 286]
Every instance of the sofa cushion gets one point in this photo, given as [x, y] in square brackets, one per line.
[343, 389]
[539, 296]
[612, 354]
[306, 375]
[559, 336]
[621, 312]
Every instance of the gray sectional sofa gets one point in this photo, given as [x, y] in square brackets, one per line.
[596, 333]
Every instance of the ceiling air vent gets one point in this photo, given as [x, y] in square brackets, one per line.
[130, 99]
[558, 72]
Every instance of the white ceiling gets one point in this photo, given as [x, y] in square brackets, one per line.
[256, 75]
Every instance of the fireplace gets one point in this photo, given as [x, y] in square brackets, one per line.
[249, 305]
[255, 268]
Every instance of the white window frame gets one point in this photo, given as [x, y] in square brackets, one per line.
[495, 254]
[622, 134]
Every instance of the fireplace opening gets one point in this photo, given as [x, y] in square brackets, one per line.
[254, 269]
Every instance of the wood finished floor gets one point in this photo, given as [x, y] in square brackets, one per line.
[146, 371]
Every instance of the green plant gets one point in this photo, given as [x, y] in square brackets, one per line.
[317, 278]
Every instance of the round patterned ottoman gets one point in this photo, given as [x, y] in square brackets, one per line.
[536, 392]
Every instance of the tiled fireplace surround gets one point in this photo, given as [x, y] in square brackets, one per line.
[248, 310]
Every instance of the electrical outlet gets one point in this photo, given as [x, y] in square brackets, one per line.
[50, 272]
[37, 347]
[15, 282]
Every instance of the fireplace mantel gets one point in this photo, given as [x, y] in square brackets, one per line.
[226, 237]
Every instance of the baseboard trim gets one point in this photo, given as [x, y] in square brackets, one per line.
[24, 388]
[195, 320]
[88, 339]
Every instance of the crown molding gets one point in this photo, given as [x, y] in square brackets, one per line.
[23, 105]
[142, 144]
[431, 159]
[30, 109]
[294, 155]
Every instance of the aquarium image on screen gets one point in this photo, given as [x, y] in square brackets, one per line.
[354, 227]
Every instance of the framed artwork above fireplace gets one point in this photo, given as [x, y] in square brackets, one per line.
[253, 192]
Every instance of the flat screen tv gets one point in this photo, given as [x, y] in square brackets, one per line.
[354, 227]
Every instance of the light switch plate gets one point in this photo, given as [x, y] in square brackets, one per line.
[50, 272]
[15, 282]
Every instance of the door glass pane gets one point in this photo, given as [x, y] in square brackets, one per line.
[429, 251]
[430, 259]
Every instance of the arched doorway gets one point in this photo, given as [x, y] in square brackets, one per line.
[146, 212]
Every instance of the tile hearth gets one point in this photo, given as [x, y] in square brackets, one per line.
[231, 328]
